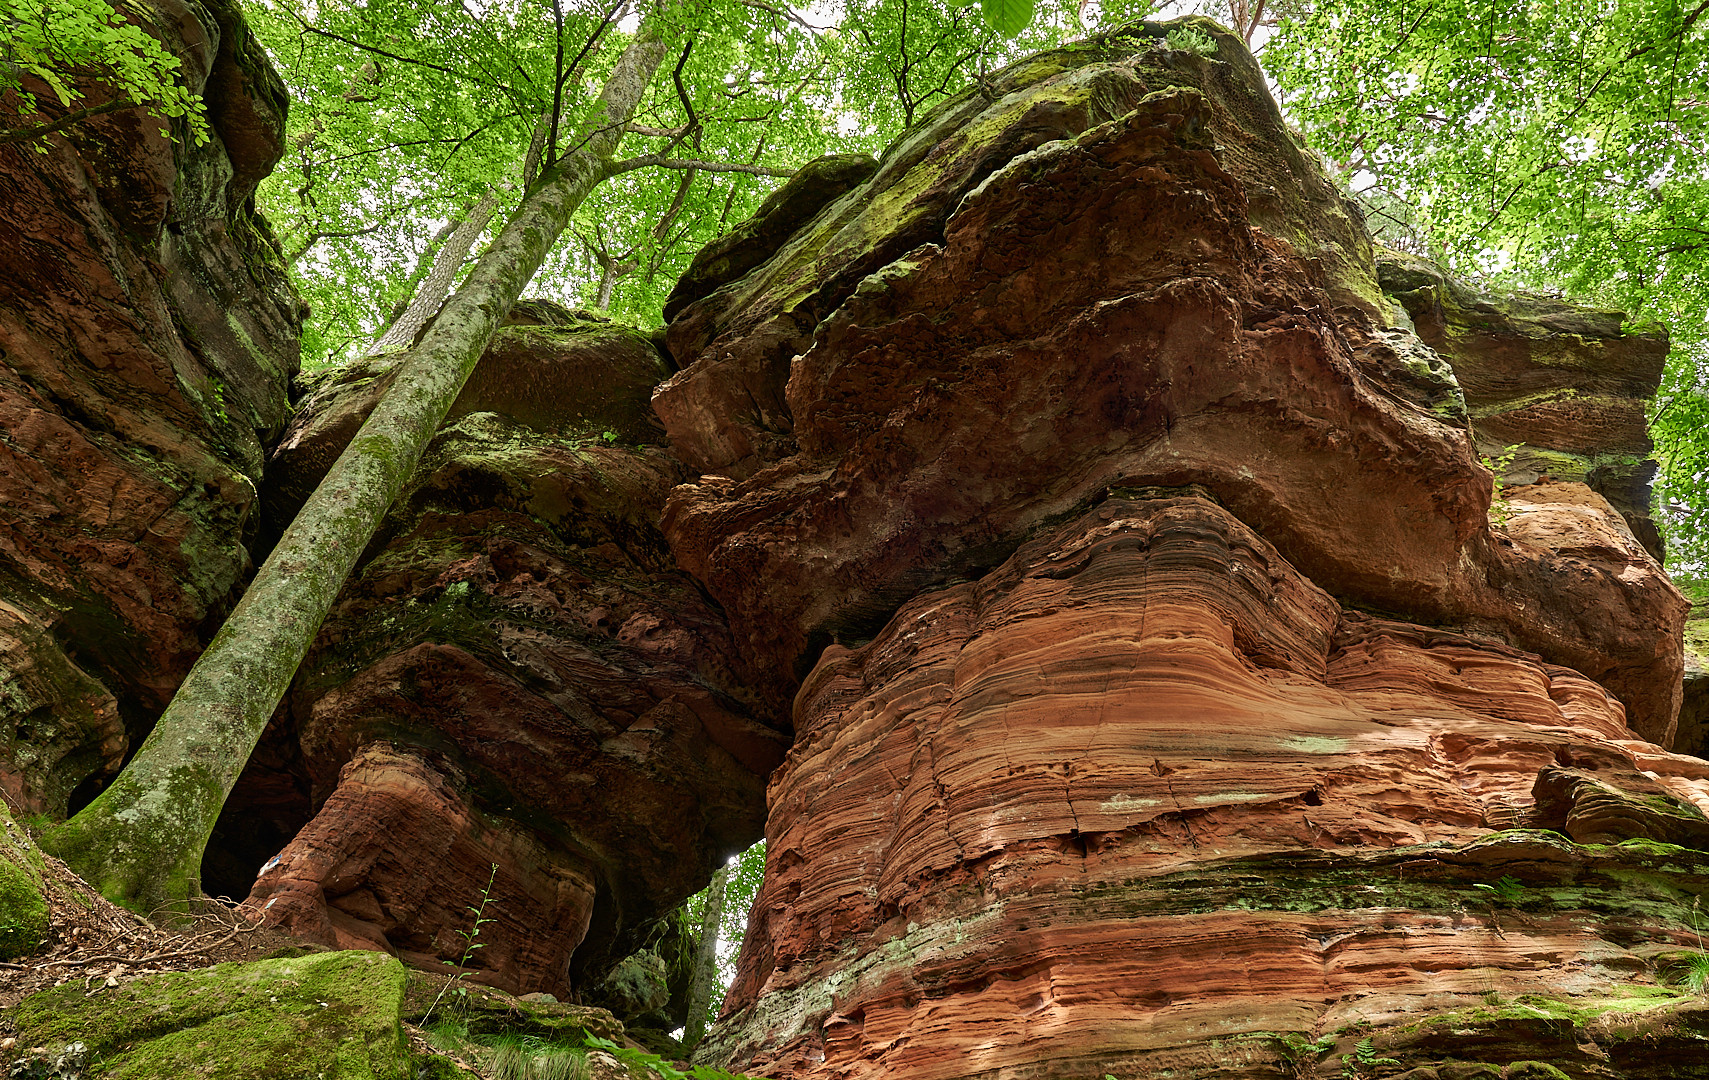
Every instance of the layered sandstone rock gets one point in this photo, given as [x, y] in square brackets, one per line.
[1175, 702]
[1554, 390]
[518, 695]
[1093, 281]
[147, 333]
[1144, 787]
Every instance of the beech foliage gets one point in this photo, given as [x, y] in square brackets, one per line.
[407, 114]
[48, 48]
[1560, 146]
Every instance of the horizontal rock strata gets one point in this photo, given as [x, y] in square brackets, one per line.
[1145, 785]
[1177, 695]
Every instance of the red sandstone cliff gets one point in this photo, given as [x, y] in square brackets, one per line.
[1169, 696]
[147, 334]
[1175, 698]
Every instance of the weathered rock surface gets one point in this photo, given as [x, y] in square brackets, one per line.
[1076, 281]
[517, 679]
[147, 333]
[1175, 703]
[1145, 782]
[1563, 386]
[570, 374]
[779, 217]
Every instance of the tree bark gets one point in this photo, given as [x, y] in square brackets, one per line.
[430, 293]
[141, 841]
[705, 961]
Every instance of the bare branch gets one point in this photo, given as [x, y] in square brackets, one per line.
[784, 14]
[660, 162]
[330, 234]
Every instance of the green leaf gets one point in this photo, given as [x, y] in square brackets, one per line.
[1007, 17]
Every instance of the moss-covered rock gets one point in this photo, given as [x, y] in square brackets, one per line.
[23, 906]
[757, 239]
[481, 1010]
[1560, 387]
[330, 1016]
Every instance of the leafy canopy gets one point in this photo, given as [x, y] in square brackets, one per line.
[1558, 145]
[46, 46]
[408, 113]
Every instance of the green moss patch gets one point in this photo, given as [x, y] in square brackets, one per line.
[23, 906]
[329, 1016]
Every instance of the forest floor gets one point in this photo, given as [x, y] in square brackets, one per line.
[101, 946]
[92, 940]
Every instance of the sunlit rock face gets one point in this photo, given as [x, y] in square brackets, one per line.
[147, 334]
[1169, 696]
[518, 698]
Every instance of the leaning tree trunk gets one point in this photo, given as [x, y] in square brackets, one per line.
[705, 961]
[140, 842]
[431, 283]
[442, 264]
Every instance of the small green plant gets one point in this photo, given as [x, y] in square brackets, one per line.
[1500, 510]
[1691, 969]
[219, 400]
[609, 438]
[1694, 972]
[471, 942]
[1189, 40]
[1509, 890]
[1299, 1054]
[448, 1035]
[1363, 1062]
[515, 1058]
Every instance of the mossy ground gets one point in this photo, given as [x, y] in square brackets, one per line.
[326, 1016]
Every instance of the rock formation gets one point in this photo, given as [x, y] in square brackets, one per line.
[147, 333]
[518, 679]
[1176, 701]
[1174, 688]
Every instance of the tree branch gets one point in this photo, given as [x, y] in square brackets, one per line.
[661, 162]
[330, 234]
[24, 134]
[310, 28]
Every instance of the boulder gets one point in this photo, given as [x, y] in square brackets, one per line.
[302, 1018]
[23, 896]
